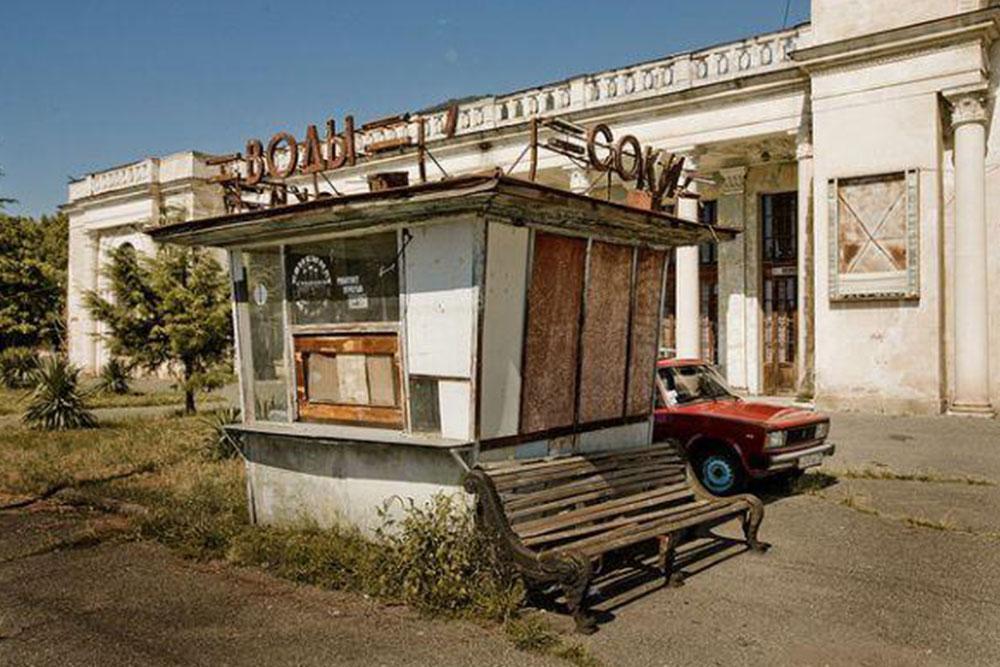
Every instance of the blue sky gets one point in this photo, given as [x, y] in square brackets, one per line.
[86, 84]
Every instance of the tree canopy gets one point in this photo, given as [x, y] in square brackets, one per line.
[33, 257]
[170, 310]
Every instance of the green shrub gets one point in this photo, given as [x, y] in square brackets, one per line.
[16, 367]
[434, 559]
[57, 402]
[431, 559]
[221, 444]
[115, 377]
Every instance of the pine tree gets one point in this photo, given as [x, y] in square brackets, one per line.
[32, 281]
[171, 309]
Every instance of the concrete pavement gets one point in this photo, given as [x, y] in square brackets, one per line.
[862, 572]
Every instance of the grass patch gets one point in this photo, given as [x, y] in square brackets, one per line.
[13, 401]
[430, 558]
[148, 399]
[931, 477]
[811, 483]
[532, 634]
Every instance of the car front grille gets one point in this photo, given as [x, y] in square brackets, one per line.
[801, 434]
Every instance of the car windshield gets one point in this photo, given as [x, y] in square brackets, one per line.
[687, 384]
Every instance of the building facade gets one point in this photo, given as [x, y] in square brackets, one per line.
[856, 154]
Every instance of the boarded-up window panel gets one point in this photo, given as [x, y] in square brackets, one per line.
[353, 376]
[605, 333]
[555, 295]
[381, 380]
[324, 382]
[348, 379]
[645, 322]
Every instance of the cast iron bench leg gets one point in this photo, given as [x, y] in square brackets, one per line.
[575, 587]
[751, 524]
[668, 551]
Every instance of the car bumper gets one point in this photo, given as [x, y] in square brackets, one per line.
[807, 457]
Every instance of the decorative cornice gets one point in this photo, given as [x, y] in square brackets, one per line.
[981, 24]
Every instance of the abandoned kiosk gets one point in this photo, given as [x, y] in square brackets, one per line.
[388, 340]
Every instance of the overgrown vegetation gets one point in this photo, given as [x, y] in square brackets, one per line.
[887, 474]
[220, 443]
[428, 557]
[170, 310]
[57, 402]
[16, 367]
[33, 258]
[115, 377]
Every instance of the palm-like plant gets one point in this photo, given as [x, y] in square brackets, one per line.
[221, 444]
[16, 366]
[115, 377]
[57, 402]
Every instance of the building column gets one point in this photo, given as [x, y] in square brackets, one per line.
[732, 278]
[806, 332]
[688, 297]
[970, 300]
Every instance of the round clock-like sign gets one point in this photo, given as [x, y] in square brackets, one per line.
[311, 281]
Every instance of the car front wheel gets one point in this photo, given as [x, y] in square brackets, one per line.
[721, 472]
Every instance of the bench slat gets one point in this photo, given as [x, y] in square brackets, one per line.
[581, 468]
[605, 526]
[595, 512]
[596, 482]
[616, 491]
[639, 530]
[519, 466]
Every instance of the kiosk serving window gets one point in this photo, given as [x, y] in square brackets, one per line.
[319, 331]
[343, 297]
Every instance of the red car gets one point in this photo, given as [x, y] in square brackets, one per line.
[727, 439]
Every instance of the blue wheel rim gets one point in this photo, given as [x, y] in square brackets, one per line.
[718, 474]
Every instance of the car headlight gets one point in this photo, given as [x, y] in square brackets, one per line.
[775, 439]
[822, 430]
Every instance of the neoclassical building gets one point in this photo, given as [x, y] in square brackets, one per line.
[856, 154]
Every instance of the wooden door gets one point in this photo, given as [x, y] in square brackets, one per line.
[779, 264]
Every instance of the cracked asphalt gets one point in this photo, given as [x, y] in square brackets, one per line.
[862, 572]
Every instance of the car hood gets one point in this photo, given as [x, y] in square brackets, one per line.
[764, 414]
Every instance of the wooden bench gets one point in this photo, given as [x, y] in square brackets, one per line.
[555, 519]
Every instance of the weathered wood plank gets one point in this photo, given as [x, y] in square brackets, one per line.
[600, 481]
[614, 523]
[619, 508]
[521, 515]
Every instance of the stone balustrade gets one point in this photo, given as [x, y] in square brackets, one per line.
[118, 178]
[748, 57]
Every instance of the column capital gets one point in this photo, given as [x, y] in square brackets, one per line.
[968, 106]
[733, 180]
[804, 150]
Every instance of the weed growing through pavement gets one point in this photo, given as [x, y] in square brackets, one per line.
[891, 475]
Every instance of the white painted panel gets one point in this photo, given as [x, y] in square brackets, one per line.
[441, 299]
[503, 328]
[454, 401]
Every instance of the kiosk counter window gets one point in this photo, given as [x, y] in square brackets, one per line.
[322, 323]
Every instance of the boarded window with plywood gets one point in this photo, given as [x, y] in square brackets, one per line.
[351, 379]
[548, 397]
[644, 334]
[605, 333]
